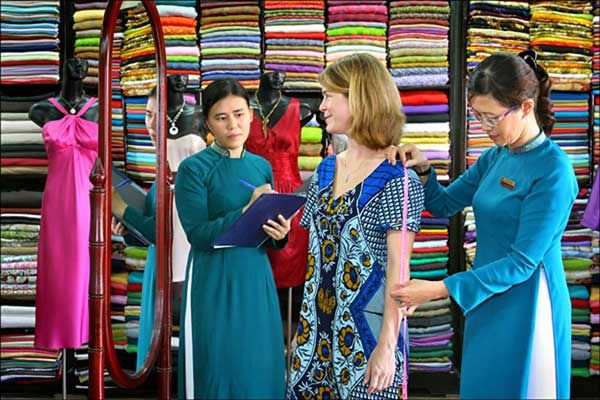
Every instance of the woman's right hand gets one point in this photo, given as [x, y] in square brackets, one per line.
[266, 188]
[410, 156]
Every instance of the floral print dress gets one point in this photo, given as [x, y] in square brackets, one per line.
[344, 293]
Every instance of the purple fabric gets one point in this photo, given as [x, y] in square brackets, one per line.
[293, 68]
[436, 155]
[432, 343]
[432, 108]
[445, 336]
[586, 243]
[591, 217]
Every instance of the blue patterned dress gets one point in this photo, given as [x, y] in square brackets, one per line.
[342, 309]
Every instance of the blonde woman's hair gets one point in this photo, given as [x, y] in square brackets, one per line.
[377, 116]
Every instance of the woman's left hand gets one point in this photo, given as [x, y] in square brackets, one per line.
[381, 369]
[418, 291]
[277, 230]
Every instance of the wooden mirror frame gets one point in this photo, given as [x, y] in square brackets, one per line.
[101, 345]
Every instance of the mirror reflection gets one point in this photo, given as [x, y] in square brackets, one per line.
[133, 282]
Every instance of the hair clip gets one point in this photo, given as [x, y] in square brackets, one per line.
[530, 57]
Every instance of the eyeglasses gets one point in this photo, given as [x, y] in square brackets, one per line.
[493, 121]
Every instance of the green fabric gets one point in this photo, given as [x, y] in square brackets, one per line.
[136, 252]
[91, 41]
[577, 264]
[182, 58]
[19, 235]
[581, 372]
[418, 256]
[233, 304]
[311, 134]
[308, 163]
[429, 274]
[416, 355]
[229, 50]
[428, 260]
[356, 30]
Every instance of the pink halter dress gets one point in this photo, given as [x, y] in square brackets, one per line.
[63, 249]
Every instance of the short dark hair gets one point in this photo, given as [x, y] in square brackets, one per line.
[220, 89]
[510, 80]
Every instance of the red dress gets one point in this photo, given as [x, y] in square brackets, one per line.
[280, 148]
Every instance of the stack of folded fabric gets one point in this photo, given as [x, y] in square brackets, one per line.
[135, 261]
[22, 154]
[596, 83]
[138, 62]
[133, 309]
[309, 158]
[356, 27]
[21, 362]
[580, 348]
[19, 234]
[418, 42]
[431, 325]
[141, 153]
[230, 42]
[571, 131]
[19, 271]
[88, 18]
[578, 245]
[428, 126]
[30, 44]
[118, 302]
[118, 111]
[492, 27]
[561, 33]
[295, 41]
[496, 26]
[470, 241]
[595, 333]
[179, 28]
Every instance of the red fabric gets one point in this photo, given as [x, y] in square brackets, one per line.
[296, 35]
[579, 303]
[430, 249]
[25, 162]
[280, 147]
[423, 97]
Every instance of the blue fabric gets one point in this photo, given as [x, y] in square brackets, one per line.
[518, 231]
[147, 307]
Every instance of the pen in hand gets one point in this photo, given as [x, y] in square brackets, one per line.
[247, 184]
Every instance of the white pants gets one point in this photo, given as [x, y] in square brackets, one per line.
[542, 370]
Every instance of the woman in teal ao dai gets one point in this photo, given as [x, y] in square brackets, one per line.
[517, 336]
[231, 340]
[348, 340]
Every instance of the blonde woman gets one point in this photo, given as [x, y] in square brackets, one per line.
[348, 342]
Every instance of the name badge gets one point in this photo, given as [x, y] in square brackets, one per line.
[508, 183]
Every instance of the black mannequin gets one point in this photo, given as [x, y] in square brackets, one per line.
[188, 121]
[71, 96]
[269, 96]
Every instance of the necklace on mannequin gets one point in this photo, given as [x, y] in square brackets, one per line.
[266, 118]
[73, 107]
[174, 130]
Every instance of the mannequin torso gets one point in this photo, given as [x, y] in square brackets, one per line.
[72, 96]
[180, 122]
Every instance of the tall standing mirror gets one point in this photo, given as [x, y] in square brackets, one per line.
[131, 209]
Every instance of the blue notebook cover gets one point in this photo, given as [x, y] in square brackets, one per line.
[133, 195]
[247, 231]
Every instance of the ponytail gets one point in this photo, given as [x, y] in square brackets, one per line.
[543, 108]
